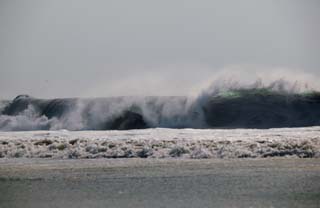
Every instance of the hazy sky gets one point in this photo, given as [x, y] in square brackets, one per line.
[68, 48]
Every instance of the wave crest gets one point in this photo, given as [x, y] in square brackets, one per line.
[226, 104]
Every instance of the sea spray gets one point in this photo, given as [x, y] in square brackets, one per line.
[225, 104]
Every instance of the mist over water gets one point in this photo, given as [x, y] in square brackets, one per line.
[225, 104]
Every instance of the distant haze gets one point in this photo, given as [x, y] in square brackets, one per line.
[77, 48]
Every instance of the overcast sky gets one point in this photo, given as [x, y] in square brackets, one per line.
[77, 48]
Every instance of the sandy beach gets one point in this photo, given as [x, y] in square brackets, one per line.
[160, 183]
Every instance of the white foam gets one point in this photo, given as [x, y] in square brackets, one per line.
[159, 142]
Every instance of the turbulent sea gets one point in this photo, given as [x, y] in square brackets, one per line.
[163, 143]
[233, 122]
[251, 107]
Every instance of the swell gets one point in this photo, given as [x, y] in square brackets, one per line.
[232, 108]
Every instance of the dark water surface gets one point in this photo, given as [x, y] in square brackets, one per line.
[160, 183]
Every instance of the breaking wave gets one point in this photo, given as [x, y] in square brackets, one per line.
[230, 105]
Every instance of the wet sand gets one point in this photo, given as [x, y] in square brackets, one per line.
[277, 182]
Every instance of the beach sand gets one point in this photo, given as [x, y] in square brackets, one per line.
[270, 182]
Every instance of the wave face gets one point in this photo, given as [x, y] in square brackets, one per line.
[232, 108]
[260, 108]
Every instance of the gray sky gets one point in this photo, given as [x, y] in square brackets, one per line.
[68, 48]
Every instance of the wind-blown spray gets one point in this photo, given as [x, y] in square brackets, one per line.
[225, 104]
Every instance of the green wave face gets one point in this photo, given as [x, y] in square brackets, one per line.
[237, 93]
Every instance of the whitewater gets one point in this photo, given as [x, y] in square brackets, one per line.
[163, 143]
[224, 121]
